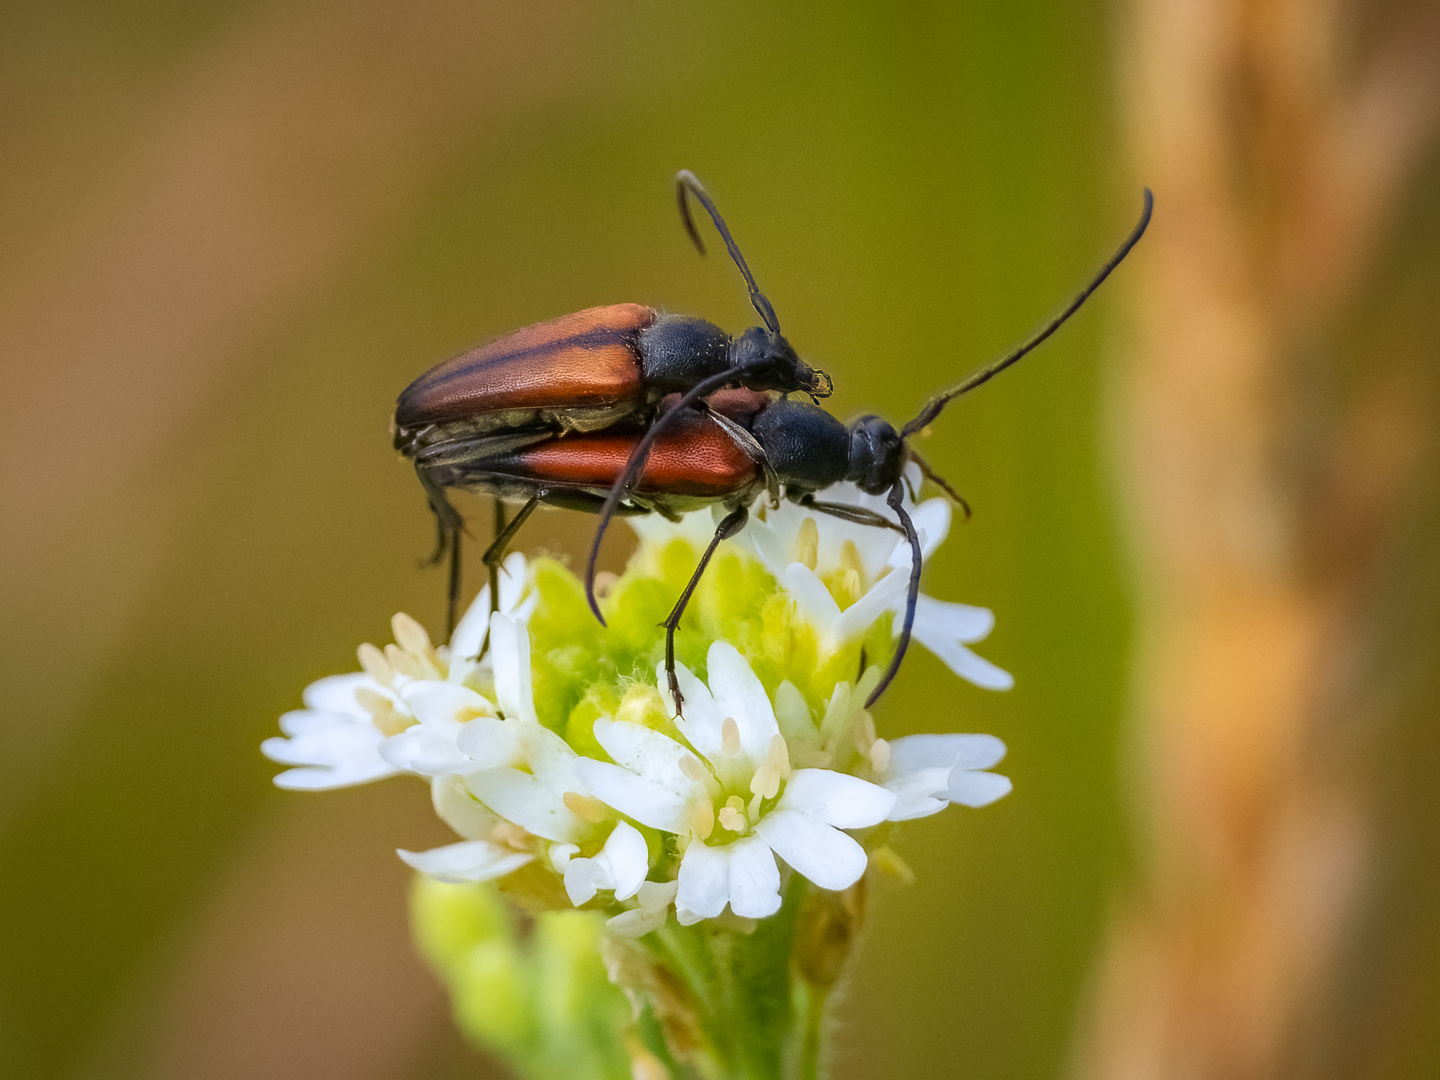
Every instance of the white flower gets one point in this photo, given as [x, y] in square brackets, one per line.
[476, 858]
[870, 567]
[359, 727]
[620, 866]
[516, 766]
[732, 797]
[333, 741]
[928, 772]
[652, 909]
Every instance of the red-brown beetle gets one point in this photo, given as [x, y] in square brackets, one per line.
[727, 451]
[596, 369]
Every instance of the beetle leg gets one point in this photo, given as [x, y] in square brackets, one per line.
[495, 553]
[449, 526]
[856, 515]
[494, 567]
[729, 525]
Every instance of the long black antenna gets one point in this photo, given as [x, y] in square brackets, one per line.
[939, 401]
[686, 185]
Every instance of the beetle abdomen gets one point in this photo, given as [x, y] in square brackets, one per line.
[587, 362]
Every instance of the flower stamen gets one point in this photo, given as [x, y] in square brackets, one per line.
[729, 737]
[585, 807]
[702, 819]
[807, 544]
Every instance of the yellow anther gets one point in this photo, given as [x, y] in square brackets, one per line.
[730, 737]
[584, 807]
[780, 756]
[849, 559]
[766, 781]
[693, 770]
[372, 660]
[702, 819]
[850, 586]
[403, 663]
[508, 834]
[732, 814]
[382, 711]
[880, 755]
[886, 860]
[807, 544]
[864, 731]
[409, 634]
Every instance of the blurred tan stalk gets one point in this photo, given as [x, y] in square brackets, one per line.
[1270, 471]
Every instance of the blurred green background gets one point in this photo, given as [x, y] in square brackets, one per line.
[234, 231]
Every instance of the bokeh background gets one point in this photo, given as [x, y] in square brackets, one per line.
[1206, 513]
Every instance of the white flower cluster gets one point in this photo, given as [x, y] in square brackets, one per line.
[693, 816]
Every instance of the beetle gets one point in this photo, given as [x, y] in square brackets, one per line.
[726, 451]
[592, 370]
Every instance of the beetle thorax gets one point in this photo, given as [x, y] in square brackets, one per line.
[876, 455]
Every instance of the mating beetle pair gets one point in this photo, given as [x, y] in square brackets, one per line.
[581, 412]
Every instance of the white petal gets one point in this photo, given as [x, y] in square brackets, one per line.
[629, 860]
[428, 749]
[977, 788]
[489, 743]
[310, 778]
[739, 693]
[960, 622]
[459, 809]
[754, 879]
[915, 801]
[550, 758]
[431, 700]
[335, 750]
[469, 860]
[935, 634]
[634, 796]
[510, 652]
[584, 878]
[811, 596]
[336, 693]
[912, 753]
[655, 899]
[469, 632]
[645, 752]
[704, 883]
[524, 799]
[834, 798]
[826, 856]
[932, 521]
[885, 595]
[702, 719]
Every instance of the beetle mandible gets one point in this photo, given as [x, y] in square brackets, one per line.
[595, 369]
[734, 447]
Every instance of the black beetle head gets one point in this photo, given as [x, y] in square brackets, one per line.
[877, 455]
[772, 364]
